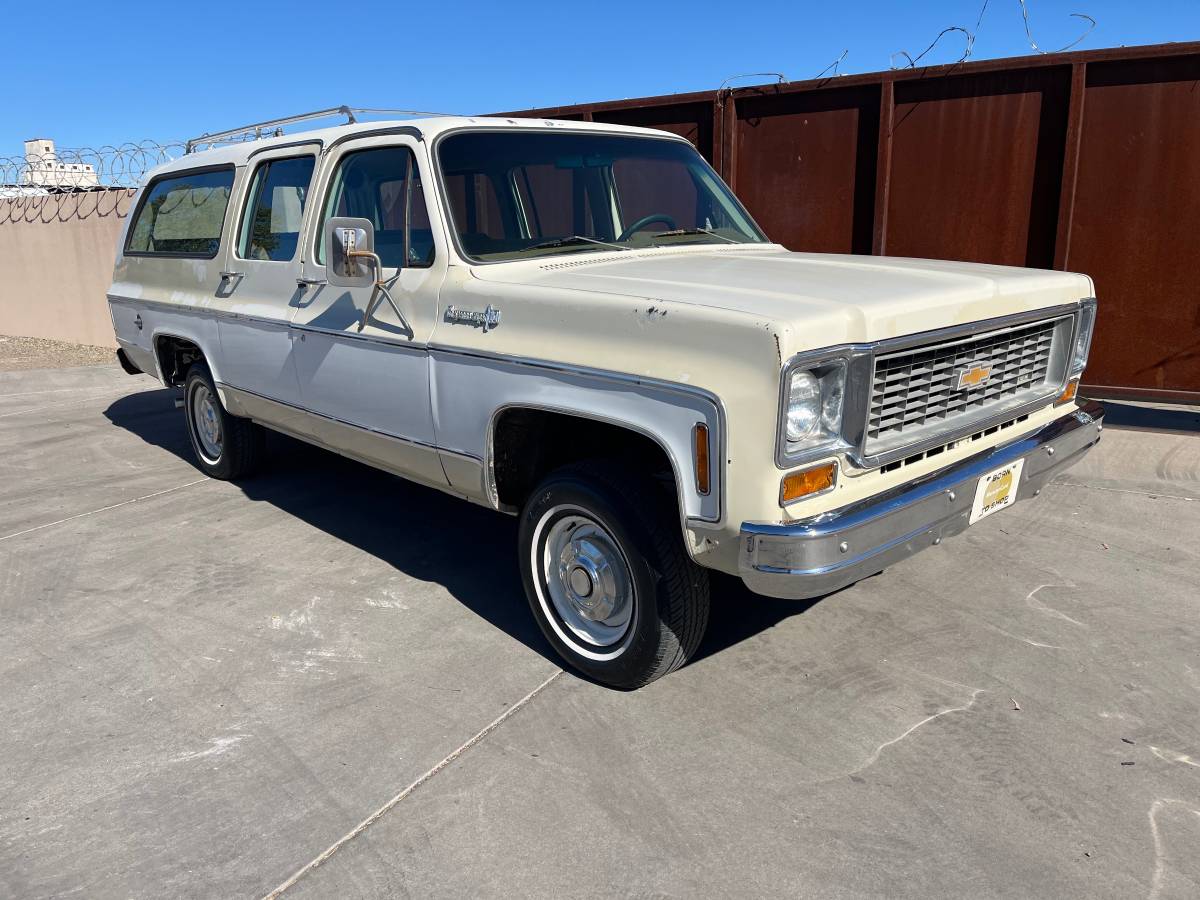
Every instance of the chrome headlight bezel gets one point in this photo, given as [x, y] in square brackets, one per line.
[845, 370]
[1081, 344]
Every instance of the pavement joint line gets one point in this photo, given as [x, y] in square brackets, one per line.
[1111, 490]
[31, 393]
[93, 512]
[383, 810]
[18, 412]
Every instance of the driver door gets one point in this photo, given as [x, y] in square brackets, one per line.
[367, 382]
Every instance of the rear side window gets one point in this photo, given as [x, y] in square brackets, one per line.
[383, 185]
[182, 215]
[275, 208]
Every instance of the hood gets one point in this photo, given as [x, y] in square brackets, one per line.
[821, 299]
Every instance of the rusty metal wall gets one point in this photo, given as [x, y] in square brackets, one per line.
[1083, 161]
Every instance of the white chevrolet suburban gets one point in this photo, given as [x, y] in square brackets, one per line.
[580, 325]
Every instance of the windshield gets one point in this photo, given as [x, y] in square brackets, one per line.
[524, 194]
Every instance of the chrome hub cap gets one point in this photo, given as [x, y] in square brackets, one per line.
[588, 580]
[207, 422]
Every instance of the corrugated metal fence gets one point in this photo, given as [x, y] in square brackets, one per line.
[1083, 161]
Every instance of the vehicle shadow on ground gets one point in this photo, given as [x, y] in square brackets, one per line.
[428, 535]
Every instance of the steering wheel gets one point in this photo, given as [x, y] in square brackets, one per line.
[647, 220]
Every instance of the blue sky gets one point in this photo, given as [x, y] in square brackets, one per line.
[93, 74]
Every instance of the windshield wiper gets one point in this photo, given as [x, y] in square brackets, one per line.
[573, 239]
[679, 232]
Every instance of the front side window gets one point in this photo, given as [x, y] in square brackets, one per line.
[182, 215]
[521, 194]
[275, 209]
[383, 185]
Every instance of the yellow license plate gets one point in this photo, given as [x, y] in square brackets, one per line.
[996, 490]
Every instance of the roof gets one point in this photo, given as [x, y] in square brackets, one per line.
[429, 128]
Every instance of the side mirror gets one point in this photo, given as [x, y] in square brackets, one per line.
[351, 248]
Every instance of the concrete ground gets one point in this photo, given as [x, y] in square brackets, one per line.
[206, 687]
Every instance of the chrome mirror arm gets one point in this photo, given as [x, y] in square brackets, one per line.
[379, 291]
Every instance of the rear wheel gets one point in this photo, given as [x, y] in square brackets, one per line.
[226, 446]
[607, 576]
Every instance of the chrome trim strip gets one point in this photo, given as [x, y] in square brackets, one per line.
[385, 434]
[265, 320]
[570, 369]
[813, 557]
[858, 399]
[449, 350]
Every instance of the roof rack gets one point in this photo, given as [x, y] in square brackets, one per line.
[274, 127]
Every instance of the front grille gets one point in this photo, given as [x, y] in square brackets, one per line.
[917, 391]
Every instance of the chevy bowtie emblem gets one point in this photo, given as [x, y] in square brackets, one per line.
[971, 376]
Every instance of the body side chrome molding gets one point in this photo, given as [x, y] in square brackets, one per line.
[450, 350]
[264, 320]
[395, 437]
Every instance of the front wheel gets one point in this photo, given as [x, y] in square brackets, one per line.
[607, 576]
[226, 446]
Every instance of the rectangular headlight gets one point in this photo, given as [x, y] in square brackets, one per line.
[1083, 335]
[812, 414]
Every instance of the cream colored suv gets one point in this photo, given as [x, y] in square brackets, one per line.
[580, 325]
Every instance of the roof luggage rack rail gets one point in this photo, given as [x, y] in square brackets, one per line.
[274, 127]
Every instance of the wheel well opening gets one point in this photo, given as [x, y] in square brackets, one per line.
[528, 444]
[175, 357]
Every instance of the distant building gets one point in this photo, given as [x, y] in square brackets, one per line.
[43, 168]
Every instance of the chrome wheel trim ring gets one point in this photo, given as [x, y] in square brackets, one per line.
[583, 581]
[206, 423]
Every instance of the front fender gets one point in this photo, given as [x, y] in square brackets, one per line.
[470, 390]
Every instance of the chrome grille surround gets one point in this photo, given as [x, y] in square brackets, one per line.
[926, 390]
[1017, 339]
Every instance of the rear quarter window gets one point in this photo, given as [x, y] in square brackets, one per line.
[182, 215]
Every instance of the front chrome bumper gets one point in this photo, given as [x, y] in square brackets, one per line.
[813, 557]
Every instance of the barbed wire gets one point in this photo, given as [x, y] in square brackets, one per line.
[971, 35]
[83, 168]
[61, 184]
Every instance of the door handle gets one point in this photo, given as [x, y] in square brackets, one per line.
[225, 276]
[310, 282]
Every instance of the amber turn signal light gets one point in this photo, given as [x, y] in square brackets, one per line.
[700, 437]
[1068, 393]
[807, 482]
